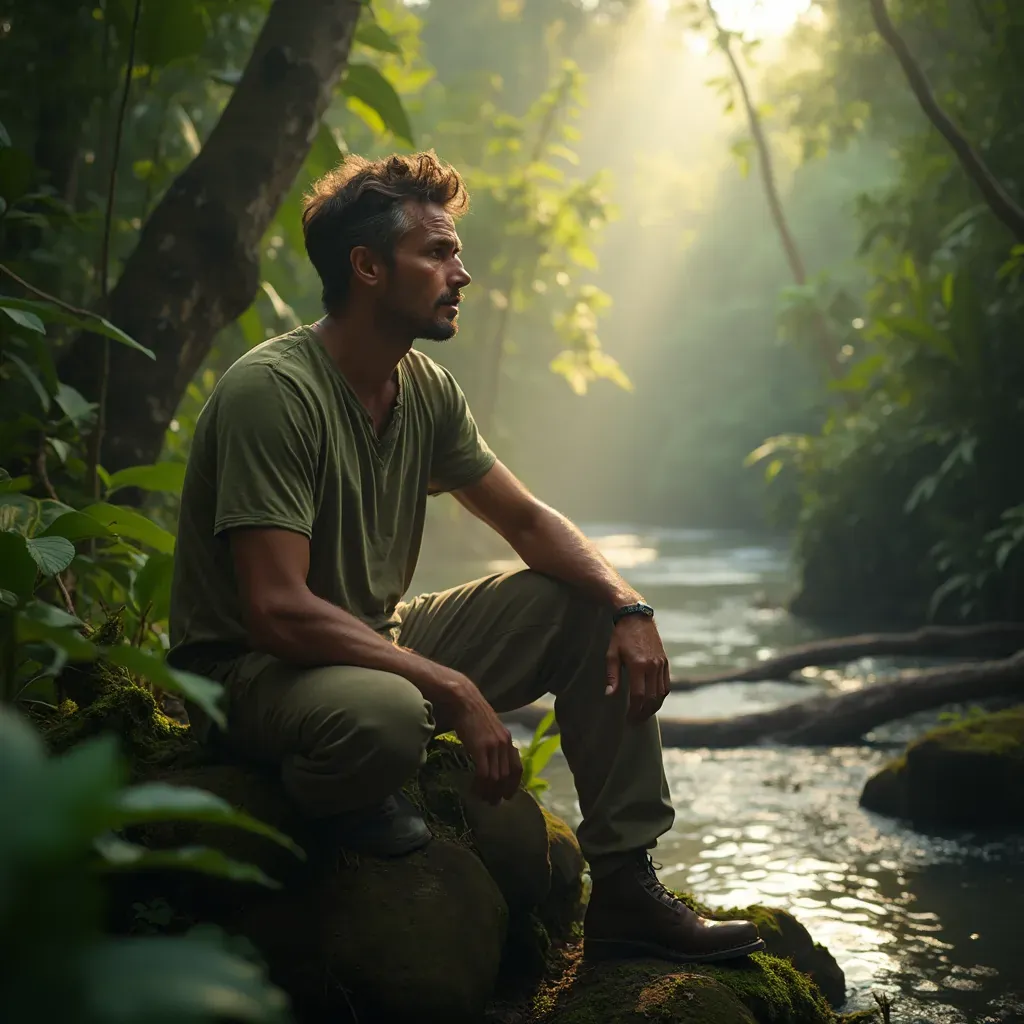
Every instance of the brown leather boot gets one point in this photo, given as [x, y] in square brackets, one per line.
[631, 914]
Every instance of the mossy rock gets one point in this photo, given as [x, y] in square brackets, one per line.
[785, 937]
[563, 908]
[969, 774]
[761, 989]
[416, 938]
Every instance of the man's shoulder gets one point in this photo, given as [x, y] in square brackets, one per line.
[428, 375]
[285, 358]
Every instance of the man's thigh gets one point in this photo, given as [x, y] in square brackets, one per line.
[276, 709]
[513, 634]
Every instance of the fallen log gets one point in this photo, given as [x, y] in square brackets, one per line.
[838, 719]
[988, 640]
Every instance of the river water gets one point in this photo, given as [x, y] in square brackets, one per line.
[932, 921]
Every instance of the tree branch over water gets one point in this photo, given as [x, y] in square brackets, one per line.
[997, 198]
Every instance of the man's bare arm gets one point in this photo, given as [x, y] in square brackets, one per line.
[549, 543]
[543, 538]
[286, 619]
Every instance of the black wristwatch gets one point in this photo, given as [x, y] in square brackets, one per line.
[640, 608]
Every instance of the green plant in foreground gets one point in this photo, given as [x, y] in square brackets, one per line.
[537, 754]
[62, 817]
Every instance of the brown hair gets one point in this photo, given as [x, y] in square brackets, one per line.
[361, 202]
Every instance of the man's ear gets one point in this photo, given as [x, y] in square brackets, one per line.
[367, 266]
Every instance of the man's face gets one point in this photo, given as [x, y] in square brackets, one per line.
[424, 286]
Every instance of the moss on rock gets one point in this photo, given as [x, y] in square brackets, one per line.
[969, 774]
[761, 989]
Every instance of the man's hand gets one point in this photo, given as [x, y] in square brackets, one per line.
[636, 647]
[498, 768]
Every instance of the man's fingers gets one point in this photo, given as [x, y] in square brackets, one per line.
[613, 670]
[637, 689]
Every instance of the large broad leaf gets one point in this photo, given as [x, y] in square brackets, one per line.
[25, 319]
[371, 35]
[164, 980]
[543, 753]
[160, 476]
[51, 554]
[119, 855]
[126, 522]
[159, 801]
[365, 83]
[39, 621]
[152, 587]
[49, 313]
[17, 567]
[33, 378]
[73, 405]
[75, 525]
[198, 689]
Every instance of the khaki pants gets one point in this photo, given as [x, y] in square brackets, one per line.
[347, 737]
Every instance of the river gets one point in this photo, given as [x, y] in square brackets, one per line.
[932, 921]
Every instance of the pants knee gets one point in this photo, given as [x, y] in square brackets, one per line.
[379, 738]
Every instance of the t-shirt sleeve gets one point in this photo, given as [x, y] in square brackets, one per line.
[267, 440]
[461, 456]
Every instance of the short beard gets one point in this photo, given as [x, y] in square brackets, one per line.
[439, 330]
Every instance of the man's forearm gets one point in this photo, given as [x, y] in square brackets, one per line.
[553, 545]
[306, 630]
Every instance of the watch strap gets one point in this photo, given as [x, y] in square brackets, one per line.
[639, 608]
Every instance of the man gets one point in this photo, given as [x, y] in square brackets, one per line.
[301, 519]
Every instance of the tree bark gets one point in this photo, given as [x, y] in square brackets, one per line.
[997, 198]
[196, 266]
[989, 640]
[838, 719]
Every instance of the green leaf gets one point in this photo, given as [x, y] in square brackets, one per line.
[25, 319]
[364, 82]
[544, 752]
[370, 34]
[164, 979]
[120, 855]
[94, 324]
[75, 407]
[171, 32]
[51, 554]
[160, 801]
[159, 476]
[8, 598]
[919, 330]
[152, 587]
[17, 567]
[75, 526]
[126, 522]
[201, 691]
[30, 375]
[40, 621]
[5, 139]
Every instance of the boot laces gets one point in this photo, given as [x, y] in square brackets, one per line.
[650, 881]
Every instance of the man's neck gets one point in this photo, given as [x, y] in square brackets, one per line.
[365, 355]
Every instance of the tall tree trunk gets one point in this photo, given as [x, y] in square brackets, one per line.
[1010, 213]
[823, 335]
[196, 266]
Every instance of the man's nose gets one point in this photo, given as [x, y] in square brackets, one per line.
[461, 277]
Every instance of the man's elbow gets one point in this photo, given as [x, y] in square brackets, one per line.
[272, 621]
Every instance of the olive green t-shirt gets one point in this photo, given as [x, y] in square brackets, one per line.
[284, 442]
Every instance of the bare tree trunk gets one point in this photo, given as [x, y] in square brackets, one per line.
[989, 640]
[838, 719]
[196, 266]
[998, 199]
[797, 267]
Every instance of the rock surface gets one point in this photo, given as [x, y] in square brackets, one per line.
[969, 774]
[759, 990]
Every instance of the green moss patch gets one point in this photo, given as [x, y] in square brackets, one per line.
[761, 989]
[966, 774]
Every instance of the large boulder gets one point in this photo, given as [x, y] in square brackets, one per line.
[969, 774]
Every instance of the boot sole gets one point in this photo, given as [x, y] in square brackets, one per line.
[615, 949]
